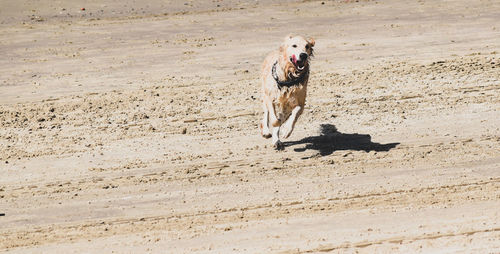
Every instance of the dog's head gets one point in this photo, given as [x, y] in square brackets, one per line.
[296, 52]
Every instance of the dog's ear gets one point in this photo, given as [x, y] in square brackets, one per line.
[311, 41]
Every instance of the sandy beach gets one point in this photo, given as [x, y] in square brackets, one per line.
[130, 127]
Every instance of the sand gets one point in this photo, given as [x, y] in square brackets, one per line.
[132, 128]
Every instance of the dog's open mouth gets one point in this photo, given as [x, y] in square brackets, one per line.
[299, 64]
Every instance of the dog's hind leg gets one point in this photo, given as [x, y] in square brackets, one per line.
[264, 125]
[290, 122]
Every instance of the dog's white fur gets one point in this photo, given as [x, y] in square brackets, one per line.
[282, 107]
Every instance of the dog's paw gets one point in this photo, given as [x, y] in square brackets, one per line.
[265, 132]
[286, 131]
[278, 146]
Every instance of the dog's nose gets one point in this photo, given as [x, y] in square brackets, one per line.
[303, 56]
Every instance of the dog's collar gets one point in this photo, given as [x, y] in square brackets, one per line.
[288, 83]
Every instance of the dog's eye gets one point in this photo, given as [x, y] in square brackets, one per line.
[294, 45]
[307, 46]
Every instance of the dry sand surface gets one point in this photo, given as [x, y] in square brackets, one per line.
[132, 128]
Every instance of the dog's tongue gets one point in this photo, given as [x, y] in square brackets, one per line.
[294, 59]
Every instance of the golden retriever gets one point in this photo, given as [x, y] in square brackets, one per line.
[285, 73]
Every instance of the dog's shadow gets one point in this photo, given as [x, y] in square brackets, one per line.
[330, 140]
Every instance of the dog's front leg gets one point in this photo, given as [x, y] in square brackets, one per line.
[276, 139]
[264, 125]
[290, 122]
[275, 122]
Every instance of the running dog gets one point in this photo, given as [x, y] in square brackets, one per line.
[285, 73]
